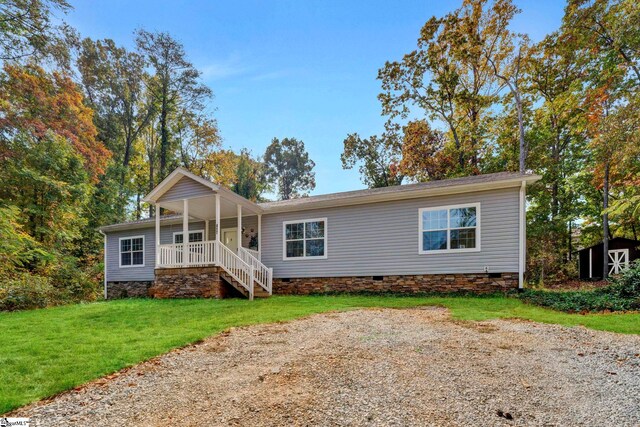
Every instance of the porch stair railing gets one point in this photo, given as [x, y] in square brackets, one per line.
[263, 275]
[211, 252]
[241, 271]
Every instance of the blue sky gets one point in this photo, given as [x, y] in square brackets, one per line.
[304, 69]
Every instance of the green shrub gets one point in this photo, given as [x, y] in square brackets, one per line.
[628, 284]
[72, 282]
[622, 295]
[64, 284]
[26, 291]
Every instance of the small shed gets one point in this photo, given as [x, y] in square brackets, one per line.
[622, 252]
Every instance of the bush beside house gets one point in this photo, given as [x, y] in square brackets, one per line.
[623, 294]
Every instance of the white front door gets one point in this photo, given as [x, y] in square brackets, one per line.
[230, 238]
[618, 260]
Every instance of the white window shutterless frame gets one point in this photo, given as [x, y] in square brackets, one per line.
[449, 229]
[304, 239]
[131, 251]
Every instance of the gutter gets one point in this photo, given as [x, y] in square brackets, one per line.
[105, 262]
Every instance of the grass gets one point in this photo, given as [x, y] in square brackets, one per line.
[50, 350]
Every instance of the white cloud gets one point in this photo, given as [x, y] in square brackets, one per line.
[232, 66]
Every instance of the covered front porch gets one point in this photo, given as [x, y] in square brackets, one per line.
[220, 238]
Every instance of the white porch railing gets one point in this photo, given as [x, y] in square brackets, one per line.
[262, 274]
[244, 267]
[198, 254]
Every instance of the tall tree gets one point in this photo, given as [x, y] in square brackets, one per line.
[424, 157]
[289, 168]
[606, 36]
[26, 27]
[250, 181]
[199, 141]
[113, 81]
[377, 158]
[449, 79]
[39, 103]
[512, 74]
[50, 157]
[176, 87]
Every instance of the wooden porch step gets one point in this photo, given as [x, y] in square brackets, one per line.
[258, 291]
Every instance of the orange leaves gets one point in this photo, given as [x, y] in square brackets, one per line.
[37, 102]
[423, 154]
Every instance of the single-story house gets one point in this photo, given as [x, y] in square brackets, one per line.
[622, 252]
[462, 234]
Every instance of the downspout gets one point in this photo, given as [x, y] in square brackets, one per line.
[105, 262]
[522, 250]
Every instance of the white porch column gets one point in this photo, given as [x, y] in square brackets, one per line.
[206, 230]
[260, 237]
[218, 217]
[239, 230]
[185, 231]
[157, 234]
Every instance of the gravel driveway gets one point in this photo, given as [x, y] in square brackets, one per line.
[372, 367]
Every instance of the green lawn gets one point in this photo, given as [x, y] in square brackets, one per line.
[50, 350]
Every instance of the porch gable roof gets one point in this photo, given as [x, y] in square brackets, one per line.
[179, 173]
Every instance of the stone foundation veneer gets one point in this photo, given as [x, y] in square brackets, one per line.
[413, 284]
[136, 289]
[190, 282]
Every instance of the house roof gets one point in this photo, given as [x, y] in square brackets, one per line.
[372, 195]
[407, 191]
[141, 223]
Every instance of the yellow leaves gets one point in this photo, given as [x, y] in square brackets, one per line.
[38, 102]
[220, 166]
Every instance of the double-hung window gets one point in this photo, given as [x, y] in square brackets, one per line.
[450, 229]
[132, 251]
[194, 236]
[305, 239]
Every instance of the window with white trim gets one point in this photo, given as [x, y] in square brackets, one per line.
[194, 236]
[132, 251]
[305, 239]
[450, 228]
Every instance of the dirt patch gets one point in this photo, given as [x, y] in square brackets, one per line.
[372, 367]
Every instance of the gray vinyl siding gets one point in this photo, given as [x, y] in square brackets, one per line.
[185, 188]
[113, 270]
[117, 274]
[382, 239]
[363, 240]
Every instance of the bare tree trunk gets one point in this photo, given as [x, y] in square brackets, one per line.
[605, 223]
[164, 132]
[523, 147]
[570, 242]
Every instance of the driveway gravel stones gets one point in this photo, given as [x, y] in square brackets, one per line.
[371, 367]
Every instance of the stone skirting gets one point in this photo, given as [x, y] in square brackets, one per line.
[190, 282]
[413, 284]
[135, 289]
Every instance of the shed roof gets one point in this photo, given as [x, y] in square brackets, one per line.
[631, 242]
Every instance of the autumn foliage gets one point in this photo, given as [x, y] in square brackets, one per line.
[37, 102]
